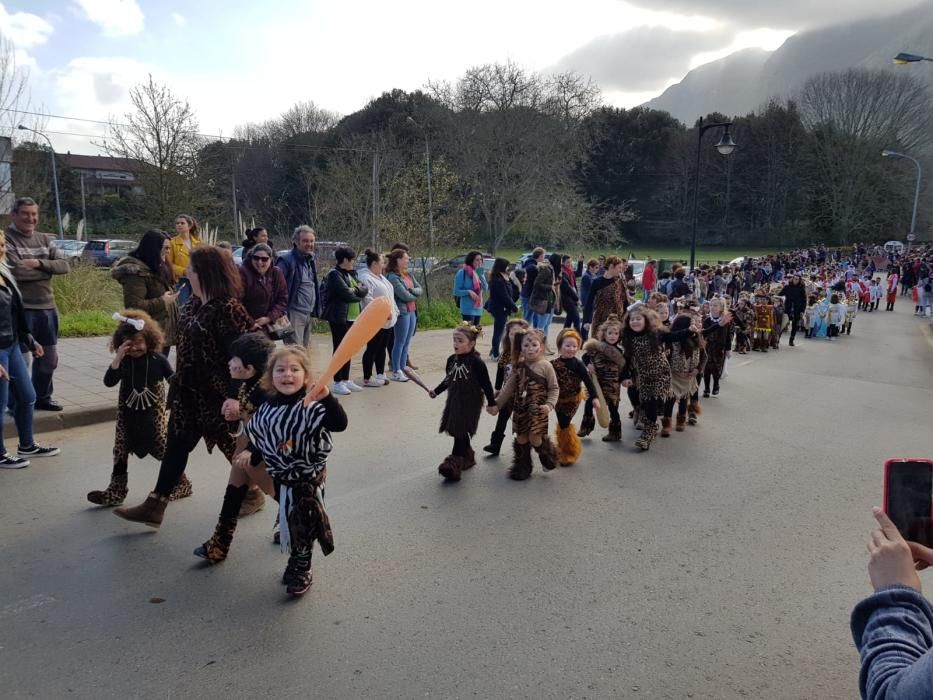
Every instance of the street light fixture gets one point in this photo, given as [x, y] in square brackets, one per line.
[913, 219]
[58, 207]
[725, 147]
[904, 58]
[427, 158]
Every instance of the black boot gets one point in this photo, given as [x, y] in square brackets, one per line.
[615, 432]
[469, 459]
[547, 453]
[495, 443]
[451, 467]
[586, 426]
[521, 462]
[298, 576]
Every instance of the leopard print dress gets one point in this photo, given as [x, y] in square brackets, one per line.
[199, 386]
[608, 362]
[611, 299]
[651, 368]
[530, 386]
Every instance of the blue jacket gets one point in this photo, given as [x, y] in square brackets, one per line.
[893, 630]
[289, 264]
[463, 285]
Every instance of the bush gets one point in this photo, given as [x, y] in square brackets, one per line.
[86, 298]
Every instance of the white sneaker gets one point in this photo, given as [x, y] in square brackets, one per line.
[382, 378]
[340, 389]
[399, 377]
[372, 382]
[352, 386]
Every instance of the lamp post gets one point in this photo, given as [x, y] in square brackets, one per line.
[427, 157]
[725, 147]
[58, 206]
[913, 219]
[904, 58]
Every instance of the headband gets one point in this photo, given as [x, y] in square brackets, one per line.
[136, 323]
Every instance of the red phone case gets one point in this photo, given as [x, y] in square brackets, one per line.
[887, 469]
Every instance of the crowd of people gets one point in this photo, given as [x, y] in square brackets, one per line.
[663, 341]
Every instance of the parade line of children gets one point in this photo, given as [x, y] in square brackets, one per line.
[660, 352]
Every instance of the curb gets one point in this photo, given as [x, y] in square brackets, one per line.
[49, 422]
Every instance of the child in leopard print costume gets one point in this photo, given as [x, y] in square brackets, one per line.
[142, 417]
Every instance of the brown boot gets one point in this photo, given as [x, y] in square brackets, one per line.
[451, 467]
[182, 489]
[150, 512]
[547, 453]
[521, 462]
[665, 427]
[681, 422]
[216, 548]
[254, 502]
[586, 426]
[469, 459]
[113, 495]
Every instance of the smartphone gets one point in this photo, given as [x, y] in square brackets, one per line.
[908, 497]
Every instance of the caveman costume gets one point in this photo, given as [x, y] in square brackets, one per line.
[764, 322]
[571, 373]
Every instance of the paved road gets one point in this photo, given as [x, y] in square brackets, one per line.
[722, 564]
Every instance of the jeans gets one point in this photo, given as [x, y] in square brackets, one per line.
[542, 321]
[527, 313]
[301, 324]
[498, 328]
[337, 332]
[43, 326]
[184, 290]
[12, 360]
[573, 318]
[404, 330]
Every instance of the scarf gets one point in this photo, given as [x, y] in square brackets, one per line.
[409, 284]
[477, 286]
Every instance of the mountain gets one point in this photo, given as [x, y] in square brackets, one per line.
[743, 81]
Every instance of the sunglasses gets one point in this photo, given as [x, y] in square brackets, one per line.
[261, 258]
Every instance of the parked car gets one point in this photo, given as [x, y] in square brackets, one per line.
[105, 252]
[71, 249]
[638, 269]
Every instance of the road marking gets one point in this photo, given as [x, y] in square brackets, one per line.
[21, 606]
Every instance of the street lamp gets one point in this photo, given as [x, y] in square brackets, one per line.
[427, 157]
[58, 206]
[725, 147]
[904, 58]
[913, 219]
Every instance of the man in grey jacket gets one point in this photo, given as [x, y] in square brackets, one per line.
[33, 258]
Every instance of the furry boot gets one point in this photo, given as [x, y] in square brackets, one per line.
[495, 443]
[451, 467]
[182, 489]
[693, 411]
[521, 462]
[648, 435]
[568, 445]
[615, 432]
[665, 427]
[216, 548]
[150, 512]
[586, 426]
[681, 422]
[469, 459]
[547, 453]
[253, 503]
[113, 495]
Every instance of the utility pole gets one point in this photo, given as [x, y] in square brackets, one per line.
[236, 215]
[375, 196]
[58, 206]
[83, 205]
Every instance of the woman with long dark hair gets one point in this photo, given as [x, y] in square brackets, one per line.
[469, 287]
[501, 302]
[207, 327]
[149, 284]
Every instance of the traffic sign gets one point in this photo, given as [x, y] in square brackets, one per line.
[911, 237]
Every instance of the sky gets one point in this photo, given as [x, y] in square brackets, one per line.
[239, 62]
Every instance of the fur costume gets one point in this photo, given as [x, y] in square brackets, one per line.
[611, 299]
[608, 361]
[530, 385]
[764, 323]
[570, 372]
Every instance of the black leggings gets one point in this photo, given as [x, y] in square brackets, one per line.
[175, 460]
[708, 374]
[337, 331]
[612, 405]
[572, 319]
[375, 353]
[650, 409]
[461, 446]
[681, 407]
[502, 420]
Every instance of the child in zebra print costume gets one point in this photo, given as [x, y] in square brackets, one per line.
[294, 442]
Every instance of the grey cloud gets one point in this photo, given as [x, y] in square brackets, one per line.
[641, 58]
[780, 14]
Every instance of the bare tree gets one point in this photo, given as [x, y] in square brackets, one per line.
[14, 101]
[512, 135]
[299, 119]
[161, 135]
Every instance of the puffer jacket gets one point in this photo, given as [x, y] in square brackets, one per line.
[143, 290]
[341, 294]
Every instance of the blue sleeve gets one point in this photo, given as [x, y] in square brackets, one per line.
[893, 631]
[460, 288]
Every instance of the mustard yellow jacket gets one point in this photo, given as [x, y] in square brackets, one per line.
[178, 254]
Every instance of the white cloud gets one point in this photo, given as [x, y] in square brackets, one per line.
[114, 17]
[180, 20]
[24, 29]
